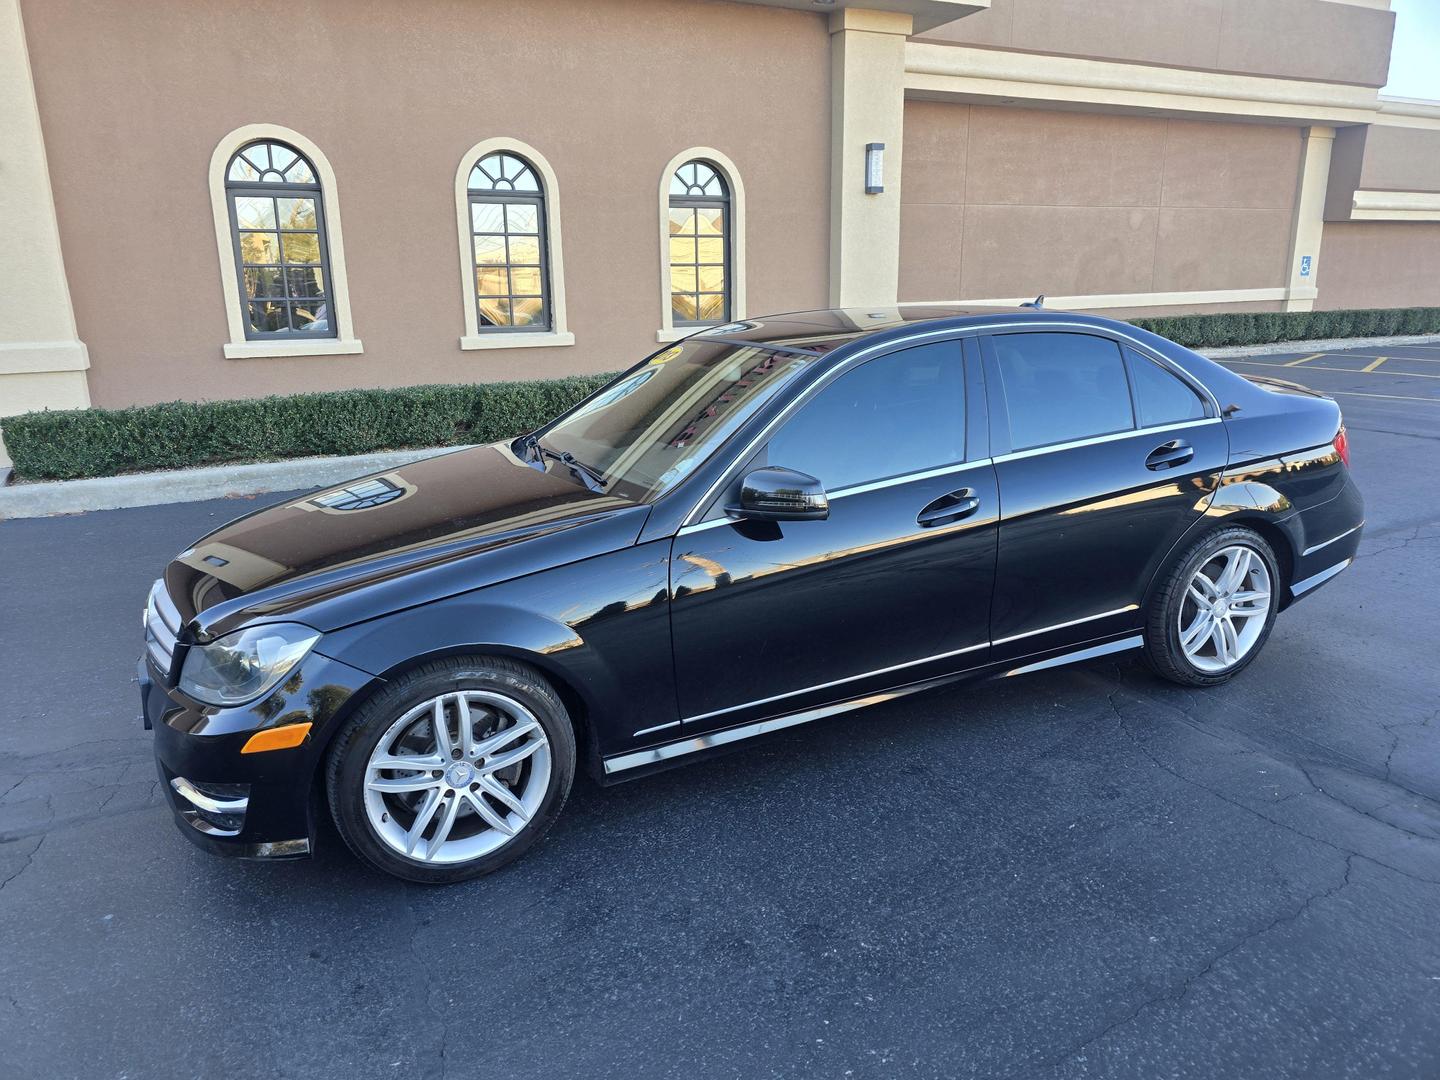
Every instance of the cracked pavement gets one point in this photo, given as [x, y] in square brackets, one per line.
[1085, 872]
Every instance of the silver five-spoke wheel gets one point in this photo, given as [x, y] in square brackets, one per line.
[457, 776]
[1224, 610]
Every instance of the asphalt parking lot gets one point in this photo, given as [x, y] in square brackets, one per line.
[1081, 873]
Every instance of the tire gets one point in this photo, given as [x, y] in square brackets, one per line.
[1177, 618]
[493, 796]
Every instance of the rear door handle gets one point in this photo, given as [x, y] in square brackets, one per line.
[1168, 455]
[951, 507]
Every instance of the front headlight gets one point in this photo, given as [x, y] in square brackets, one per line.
[239, 667]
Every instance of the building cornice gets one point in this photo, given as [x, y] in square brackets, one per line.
[958, 72]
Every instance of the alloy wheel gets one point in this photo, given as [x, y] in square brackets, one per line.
[1225, 607]
[457, 777]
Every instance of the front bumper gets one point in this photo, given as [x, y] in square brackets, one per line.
[247, 805]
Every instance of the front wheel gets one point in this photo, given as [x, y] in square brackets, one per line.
[452, 770]
[1214, 609]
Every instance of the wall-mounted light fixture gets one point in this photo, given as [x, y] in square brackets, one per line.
[874, 168]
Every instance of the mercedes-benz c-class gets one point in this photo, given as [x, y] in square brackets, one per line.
[763, 525]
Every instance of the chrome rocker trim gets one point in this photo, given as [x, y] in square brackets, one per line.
[656, 754]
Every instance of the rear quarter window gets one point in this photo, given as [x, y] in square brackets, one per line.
[1160, 397]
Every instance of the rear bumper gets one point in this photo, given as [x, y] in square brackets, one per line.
[1328, 538]
[247, 805]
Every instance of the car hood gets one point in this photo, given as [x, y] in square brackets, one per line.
[394, 539]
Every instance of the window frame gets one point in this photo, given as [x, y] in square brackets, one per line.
[241, 345]
[514, 198]
[708, 202]
[734, 255]
[556, 332]
[240, 188]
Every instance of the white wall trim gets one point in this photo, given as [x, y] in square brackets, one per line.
[30, 357]
[1135, 300]
[559, 332]
[1396, 206]
[238, 347]
[668, 331]
[968, 73]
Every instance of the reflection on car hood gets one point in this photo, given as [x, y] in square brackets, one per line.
[425, 517]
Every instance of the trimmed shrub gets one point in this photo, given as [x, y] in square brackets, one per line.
[1265, 327]
[69, 444]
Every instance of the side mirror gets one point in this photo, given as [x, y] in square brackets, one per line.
[776, 494]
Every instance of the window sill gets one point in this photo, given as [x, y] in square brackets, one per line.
[516, 341]
[677, 334]
[244, 350]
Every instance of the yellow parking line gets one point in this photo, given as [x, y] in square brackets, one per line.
[1374, 364]
[1341, 370]
[1302, 360]
[1387, 397]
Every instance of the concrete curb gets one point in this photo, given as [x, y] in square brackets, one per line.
[1325, 345]
[194, 485]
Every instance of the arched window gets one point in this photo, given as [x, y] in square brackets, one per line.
[277, 226]
[699, 232]
[509, 245]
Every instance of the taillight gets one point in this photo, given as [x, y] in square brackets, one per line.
[1342, 446]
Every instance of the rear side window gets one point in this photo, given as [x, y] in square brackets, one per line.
[1061, 387]
[896, 414]
[1160, 397]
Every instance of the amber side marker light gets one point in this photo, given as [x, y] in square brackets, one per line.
[277, 738]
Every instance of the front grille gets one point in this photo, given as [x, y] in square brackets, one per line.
[162, 626]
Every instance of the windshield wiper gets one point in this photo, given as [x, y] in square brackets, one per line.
[590, 476]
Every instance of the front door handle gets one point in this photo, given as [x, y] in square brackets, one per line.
[1168, 455]
[950, 507]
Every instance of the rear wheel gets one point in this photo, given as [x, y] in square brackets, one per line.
[1214, 609]
[453, 770]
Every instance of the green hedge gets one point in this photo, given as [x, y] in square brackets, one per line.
[69, 444]
[1263, 328]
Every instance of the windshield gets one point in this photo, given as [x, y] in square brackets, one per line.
[645, 433]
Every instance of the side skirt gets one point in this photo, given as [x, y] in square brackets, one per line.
[667, 753]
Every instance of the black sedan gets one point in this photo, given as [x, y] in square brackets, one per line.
[768, 523]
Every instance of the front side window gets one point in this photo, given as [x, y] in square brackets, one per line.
[1062, 387]
[277, 221]
[897, 414]
[699, 245]
[509, 244]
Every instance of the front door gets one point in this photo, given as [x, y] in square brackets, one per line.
[892, 588]
[1111, 458]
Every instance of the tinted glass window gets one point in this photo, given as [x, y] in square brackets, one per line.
[1060, 387]
[896, 414]
[1160, 397]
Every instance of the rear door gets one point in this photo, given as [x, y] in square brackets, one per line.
[1105, 456]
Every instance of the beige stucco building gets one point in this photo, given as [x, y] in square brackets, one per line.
[203, 199]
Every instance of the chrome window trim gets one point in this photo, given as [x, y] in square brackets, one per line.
[958, 333]
[1332, 540]
[1094, 440]
[1063, 625]
[856, 489]
[1318, 579]
[827, 685]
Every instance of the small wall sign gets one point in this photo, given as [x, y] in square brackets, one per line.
[1304, 265]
